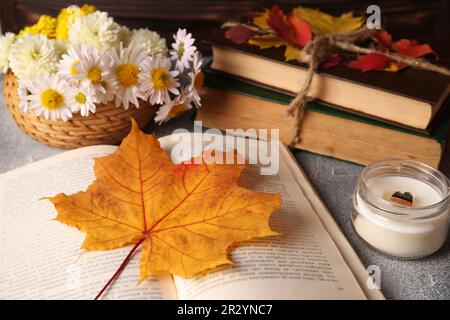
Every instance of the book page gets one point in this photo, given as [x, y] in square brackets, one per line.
[349, 255]
[40, 257]
[302, 262]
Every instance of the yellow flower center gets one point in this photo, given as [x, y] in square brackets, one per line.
[160, 78]
[127, 74]
[73, 70]
[52, 99]
[198, 81]
[177, 110]
[35, 54]
[80, 97]
[95, 75]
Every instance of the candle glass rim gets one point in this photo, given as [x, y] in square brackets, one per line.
[402, 212]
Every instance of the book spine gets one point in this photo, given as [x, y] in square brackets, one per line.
[321, 133]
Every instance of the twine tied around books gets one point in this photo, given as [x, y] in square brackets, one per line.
[319, 49]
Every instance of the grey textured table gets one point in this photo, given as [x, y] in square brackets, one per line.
[427, 278]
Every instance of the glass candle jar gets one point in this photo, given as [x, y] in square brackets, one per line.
[393, 228]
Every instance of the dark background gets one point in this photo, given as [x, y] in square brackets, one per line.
[426, 21]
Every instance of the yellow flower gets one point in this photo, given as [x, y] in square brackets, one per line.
[46, 25]
[67, 17]
[86, 9]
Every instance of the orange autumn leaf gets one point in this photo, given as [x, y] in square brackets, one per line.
[411, 48]
[184, 216]
[301, 32]
[383, 38]
[293, 30]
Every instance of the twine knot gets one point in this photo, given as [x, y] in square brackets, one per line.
[319, 49]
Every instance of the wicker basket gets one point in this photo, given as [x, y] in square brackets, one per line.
[109, 125]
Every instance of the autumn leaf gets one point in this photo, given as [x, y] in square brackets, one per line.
[383, 38]
[239, 34]
[411, 48]
[183, 216]
[290, 31]
[332, 61]
[323, 23]
[267, 41]
[371, 61]
[293, 30]
[260, 19]
[292, 53]
[405, 47]
[277, 21]
[301, 32]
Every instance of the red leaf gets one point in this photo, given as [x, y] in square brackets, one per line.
[383, 38]
[301, 32]
[371, 61]
[332, 61]
[411, 48]
[277, 21]
[292, 29]
[239, 34]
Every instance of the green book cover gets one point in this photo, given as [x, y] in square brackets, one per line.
[215, 79]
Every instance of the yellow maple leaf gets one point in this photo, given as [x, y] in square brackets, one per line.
[323, 23]
[261, 19]
[292, 53]
[267, 41]
[184, 216]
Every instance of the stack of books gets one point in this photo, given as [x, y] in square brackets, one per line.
[358, 117]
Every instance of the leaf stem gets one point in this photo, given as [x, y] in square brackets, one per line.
[120, 269]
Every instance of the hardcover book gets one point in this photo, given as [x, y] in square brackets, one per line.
[409, 97]
[229, 103]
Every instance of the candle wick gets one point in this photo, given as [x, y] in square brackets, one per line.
[403, 198]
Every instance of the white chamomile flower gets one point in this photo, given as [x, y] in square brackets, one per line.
[32, 55]
[61, 46]
[49, 97]
[22, 93]
[5, 44]
[150, 41]
[183, 49]
[172, 109]
[125, 35]
[196, 79]
[66, 66]
[94, 68]
[95, 29]
[81, 99]
[157, 80]
[126, 69]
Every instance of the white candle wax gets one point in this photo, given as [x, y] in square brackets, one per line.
[406, 238]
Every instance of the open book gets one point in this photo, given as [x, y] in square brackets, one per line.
[40, 257]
